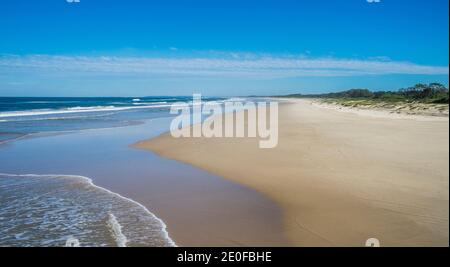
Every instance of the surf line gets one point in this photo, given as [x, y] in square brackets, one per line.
[163, 226]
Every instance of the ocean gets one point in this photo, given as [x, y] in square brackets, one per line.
[21, 116]
[57, 155]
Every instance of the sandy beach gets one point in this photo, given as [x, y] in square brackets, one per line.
[339, 178]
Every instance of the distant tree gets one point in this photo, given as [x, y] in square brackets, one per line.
[422, 91]
[438, 87]
[355, 93]
[429, 93]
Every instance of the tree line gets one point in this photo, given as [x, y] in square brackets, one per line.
[429, 93]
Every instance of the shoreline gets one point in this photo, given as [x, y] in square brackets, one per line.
[88, 180]
[340, 178]
[212, 211]
[198, 208]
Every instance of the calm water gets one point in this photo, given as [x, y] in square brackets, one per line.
[46, 194]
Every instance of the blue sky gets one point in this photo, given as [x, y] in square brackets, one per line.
[136, 48]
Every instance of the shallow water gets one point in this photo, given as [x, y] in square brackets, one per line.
[51, 210]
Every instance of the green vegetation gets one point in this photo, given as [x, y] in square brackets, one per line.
[433, 93]
[421, 99]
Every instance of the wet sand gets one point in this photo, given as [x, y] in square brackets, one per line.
[339, 178]
[198, 208]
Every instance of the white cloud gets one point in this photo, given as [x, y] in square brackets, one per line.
[264, 66]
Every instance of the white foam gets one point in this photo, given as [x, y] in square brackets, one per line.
[90, 182]
[79, 109]
[147, 103]
[62, 118]
[90, 108]
[235, 99]
[72, 242]
[35, 112]
[116, 231]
